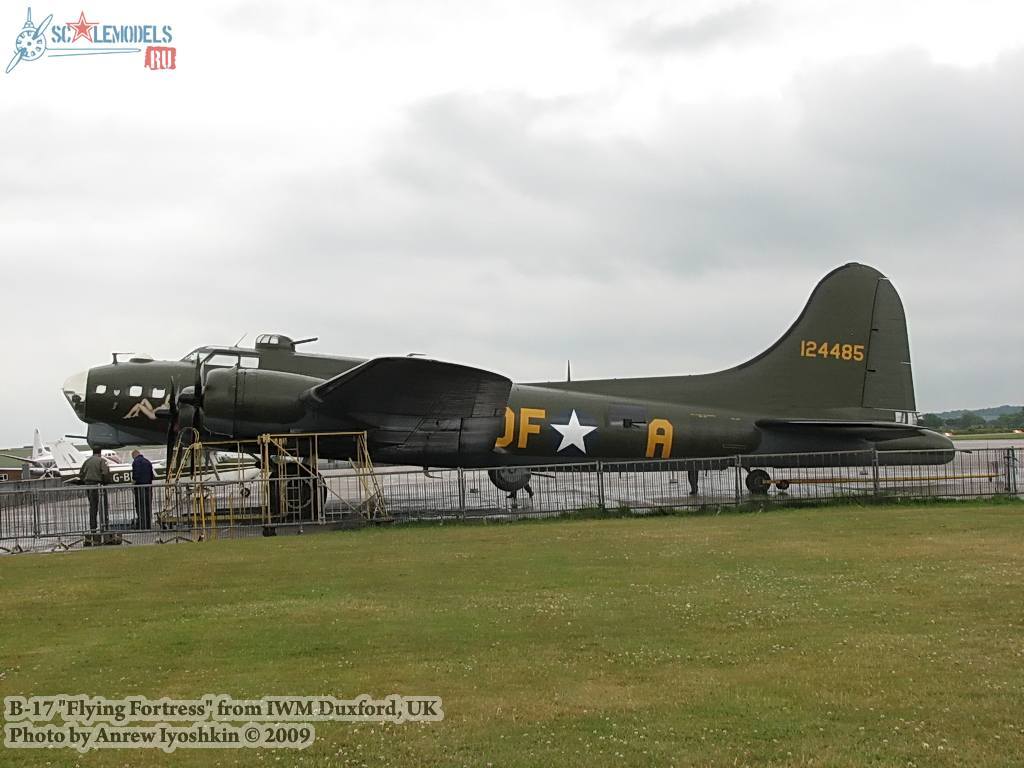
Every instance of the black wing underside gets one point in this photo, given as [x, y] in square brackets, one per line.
[414, 408]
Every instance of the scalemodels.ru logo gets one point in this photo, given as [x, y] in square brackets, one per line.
[85, 37]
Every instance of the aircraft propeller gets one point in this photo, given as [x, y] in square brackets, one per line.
[172, 426]
[192, 397]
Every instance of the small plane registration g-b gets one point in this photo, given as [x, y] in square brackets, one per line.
[839, 380]
[58, 458]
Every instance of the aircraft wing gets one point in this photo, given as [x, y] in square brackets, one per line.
[415, 405]
[868, 430]
[23, 459]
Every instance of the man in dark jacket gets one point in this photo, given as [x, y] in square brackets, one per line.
[142, 477]
[95, 473]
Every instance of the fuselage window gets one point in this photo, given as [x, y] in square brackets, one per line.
[134, 391]
[627, 416]
[159, 392]
[101, 388]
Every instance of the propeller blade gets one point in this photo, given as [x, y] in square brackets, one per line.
[42, 27]
[14, 61]
[198, 380]
[172, 427]
[197, 411]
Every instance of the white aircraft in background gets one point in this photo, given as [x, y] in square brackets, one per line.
[68, 461]
[62, 459]
[44, 464]
[42, 458]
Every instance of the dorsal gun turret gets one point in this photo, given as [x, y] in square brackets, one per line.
[279, 342]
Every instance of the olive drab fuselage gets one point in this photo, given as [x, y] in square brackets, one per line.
[838, 380]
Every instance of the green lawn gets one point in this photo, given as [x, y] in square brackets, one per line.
[882, 636]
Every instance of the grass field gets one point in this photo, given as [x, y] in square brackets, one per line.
[881, 636]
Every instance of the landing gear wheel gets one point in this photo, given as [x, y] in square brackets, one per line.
[510, 479]
[296, 494]
[782, 484]
[758, 482]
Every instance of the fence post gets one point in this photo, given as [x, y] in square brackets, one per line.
[35, 511]
[874, 472]
[104, 506]
[462, 493]
[1010, 471]
[600, 485]
[739, 481]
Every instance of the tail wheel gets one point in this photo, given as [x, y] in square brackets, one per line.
[758, 481]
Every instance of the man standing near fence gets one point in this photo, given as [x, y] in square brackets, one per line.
[95, 473]
[142, 477]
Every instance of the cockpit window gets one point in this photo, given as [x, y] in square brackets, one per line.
[223, 361]
[248, 361]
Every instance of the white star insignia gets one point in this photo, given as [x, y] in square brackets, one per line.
[573, 433]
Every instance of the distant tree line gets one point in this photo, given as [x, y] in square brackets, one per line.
[969, 422]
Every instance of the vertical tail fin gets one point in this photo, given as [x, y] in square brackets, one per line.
[888, 380]
[847, 353]
[37, 445]
[847, 356]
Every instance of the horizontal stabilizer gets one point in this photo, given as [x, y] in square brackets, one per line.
[24, 459]
[867, 430]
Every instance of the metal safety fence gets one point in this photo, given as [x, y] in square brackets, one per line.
[41, 517]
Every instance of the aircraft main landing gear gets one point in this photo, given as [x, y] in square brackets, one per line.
[692, 475]
[758, 482]
[511, 480]
[298, 493]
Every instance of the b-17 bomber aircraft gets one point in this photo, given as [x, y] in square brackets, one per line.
[839, 380]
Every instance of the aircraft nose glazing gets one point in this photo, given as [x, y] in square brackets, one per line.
[74, 390]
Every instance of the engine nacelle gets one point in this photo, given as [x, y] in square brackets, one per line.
[245, 403]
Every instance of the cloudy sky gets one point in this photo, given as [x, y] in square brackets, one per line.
[643, 187]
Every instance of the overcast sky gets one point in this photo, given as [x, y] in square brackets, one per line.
[645, 188]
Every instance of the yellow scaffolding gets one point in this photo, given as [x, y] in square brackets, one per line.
[288, 481]
[301, 451]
